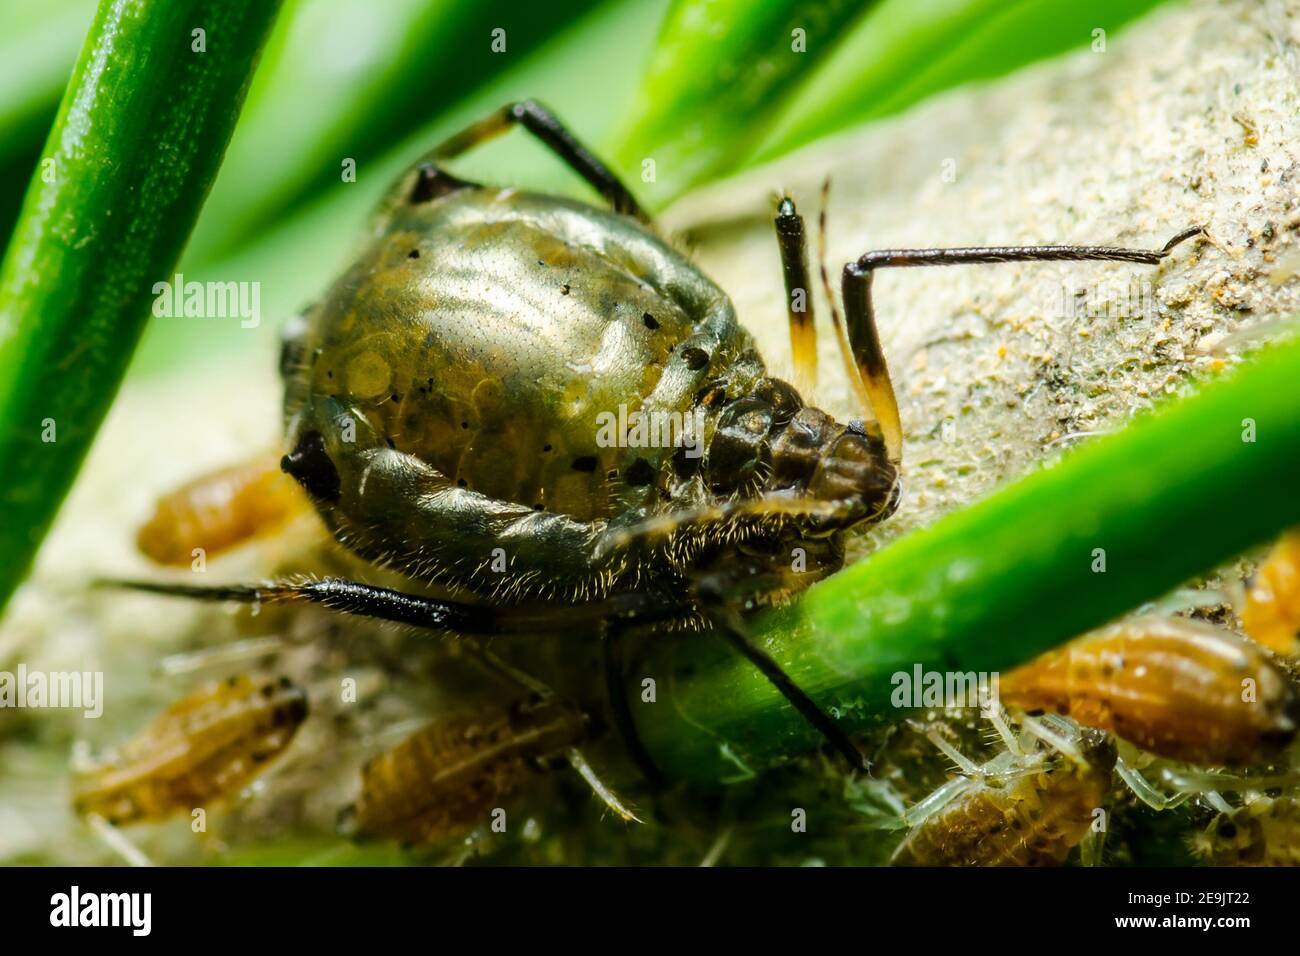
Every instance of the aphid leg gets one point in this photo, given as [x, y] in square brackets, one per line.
[544, 125]
[963, 763]
[729, 625]
[573, 755]
[1058, 741]
[117, 841]
[861, 321]
[1143, 790]
[400, 607]
[793, 243]
[1215, 800]
[718, 848]
[1092, 848]
[998, 718]
[607, 796]
[611, 645]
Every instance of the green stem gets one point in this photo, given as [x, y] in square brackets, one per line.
[1174, 494]
[137, 142]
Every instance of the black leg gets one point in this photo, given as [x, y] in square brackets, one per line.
[793, 243]
[611, 637]
[729, 625]
[861, 320]
[544, 125]
[416, 610]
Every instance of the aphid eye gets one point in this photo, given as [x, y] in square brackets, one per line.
[650, 321]
[585, 463]
[1227, 830]
[413, 254]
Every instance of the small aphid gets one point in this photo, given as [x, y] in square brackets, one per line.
[1271, 614]
[1174, 687]
[446, 779]
[201, 749]
[219, 511]
[1264, 832]
[1028, 816]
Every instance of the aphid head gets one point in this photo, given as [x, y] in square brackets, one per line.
[770, 443]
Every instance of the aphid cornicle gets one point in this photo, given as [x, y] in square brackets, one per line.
[443, 404]
[201, 749]
[1175, 687]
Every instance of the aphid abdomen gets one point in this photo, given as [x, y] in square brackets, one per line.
[447, 778]
[1031, 820]
[518, 354]
[219, 511]
[202, 749]
[1176, 688]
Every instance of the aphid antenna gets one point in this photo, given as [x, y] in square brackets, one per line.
[117, 841]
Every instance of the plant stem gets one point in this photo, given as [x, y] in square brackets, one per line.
[1176, 493]
[138, 139]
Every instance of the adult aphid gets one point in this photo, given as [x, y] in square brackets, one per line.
[442, 404]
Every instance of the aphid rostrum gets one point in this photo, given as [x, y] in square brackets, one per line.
[203, 748]
[1028, 810]
[1172, 686]
[443, 400]
[449, 776]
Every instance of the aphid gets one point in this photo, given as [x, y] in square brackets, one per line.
[448, 406]
[1264, 832]
[201, 749]
[218, 511]
[1271, 614]
[446, 779]
[1172, 686]
[1030, 813]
